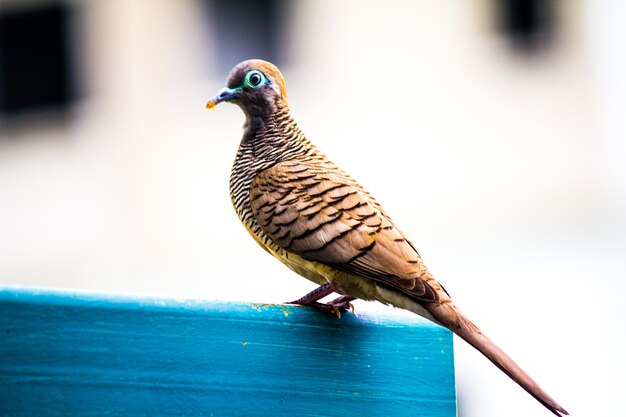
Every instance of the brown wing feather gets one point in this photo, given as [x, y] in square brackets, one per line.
[325, 216]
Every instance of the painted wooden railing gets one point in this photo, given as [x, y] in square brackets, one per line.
[72, 354]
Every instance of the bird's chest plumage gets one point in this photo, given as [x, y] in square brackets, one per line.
[248, 164]
[245, 168]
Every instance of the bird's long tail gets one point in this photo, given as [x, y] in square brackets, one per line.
[451, 317]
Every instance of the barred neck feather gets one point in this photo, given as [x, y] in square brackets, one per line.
[275, 138]
[266, 141]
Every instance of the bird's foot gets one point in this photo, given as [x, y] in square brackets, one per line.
[343, 303]
[328, 308]
[333, 307]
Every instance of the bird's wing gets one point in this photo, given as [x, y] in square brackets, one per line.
[325, 216]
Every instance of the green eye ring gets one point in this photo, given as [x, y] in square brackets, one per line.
[255, 79]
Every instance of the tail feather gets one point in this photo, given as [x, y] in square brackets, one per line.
[452, 318]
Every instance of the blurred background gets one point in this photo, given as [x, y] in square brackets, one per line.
[492, 130]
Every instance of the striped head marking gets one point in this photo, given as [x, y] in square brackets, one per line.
[256, 86]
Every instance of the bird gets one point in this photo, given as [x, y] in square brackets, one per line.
[322, 224]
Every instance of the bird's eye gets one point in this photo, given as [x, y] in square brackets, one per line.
[254, 79]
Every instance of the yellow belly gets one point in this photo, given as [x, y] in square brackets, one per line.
[321, 274]
[346, 284]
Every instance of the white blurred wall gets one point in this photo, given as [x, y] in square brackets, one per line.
[507, 172]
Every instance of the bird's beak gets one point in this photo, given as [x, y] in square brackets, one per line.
[225, 94]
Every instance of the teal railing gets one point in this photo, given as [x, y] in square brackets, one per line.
[67, 354]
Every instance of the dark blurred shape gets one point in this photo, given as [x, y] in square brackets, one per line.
[246, 29]
[34, 58]
[529, 24]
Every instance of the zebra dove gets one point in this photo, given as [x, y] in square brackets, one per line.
[321, 223]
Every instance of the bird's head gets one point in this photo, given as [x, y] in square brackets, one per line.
[256, 86]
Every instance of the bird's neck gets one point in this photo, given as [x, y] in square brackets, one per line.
[274, 137]
[266, 142]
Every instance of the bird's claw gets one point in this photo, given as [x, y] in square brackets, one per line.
[329, 308]
[343, 305]
[333, 307]
[343, 302]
